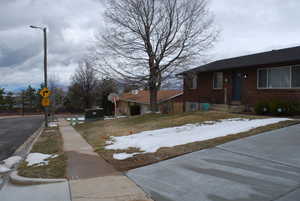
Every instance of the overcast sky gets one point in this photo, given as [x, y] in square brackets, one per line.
[246, 27]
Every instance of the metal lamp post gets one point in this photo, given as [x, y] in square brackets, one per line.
[44, 29]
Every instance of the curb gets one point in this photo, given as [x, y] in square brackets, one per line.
[22, 151]
[19, 180]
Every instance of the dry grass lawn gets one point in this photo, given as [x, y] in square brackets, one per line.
[97, 133]
[50, 142]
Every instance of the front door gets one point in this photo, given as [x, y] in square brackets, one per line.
[236, 86]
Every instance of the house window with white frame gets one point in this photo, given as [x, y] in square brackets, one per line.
[278, 78]
[194, 82]
[218, 80]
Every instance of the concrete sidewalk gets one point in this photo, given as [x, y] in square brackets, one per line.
[45, 192]
[91, 178]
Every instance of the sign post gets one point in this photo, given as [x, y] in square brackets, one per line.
[45, 93]
[113, 97]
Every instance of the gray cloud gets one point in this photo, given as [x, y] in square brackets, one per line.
[253, 26]
[247, 27]
[71, 25]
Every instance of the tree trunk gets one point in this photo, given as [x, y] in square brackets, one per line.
[153, 99]
[153, 89]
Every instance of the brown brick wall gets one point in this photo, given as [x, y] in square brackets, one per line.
[250, 94]
[204, 91]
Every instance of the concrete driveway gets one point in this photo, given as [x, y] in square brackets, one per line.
[265, 167]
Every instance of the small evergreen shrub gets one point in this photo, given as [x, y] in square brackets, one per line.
[262, 108]
[294, 108]
[277, 107]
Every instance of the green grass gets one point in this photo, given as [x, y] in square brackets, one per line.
[97, 133]
[50, 142]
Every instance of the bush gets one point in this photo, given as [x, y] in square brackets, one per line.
[262, 108]
[294, 108]
[277, 107]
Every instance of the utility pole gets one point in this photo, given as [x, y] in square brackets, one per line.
[23, 102]
[44, 29]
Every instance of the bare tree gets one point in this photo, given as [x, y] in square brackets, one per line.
[146, 41]
[86, 83]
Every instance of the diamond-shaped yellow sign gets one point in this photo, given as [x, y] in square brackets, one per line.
[45, 92]
[45, 102]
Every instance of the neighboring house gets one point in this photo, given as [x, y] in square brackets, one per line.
[244, 80]
[138, 102]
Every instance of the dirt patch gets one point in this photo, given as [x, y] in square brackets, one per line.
[97, 133]
[50, 142]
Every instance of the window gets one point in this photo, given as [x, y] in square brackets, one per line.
[263, 78]
[279, 78]
[191, 81]
[296, 77]
[194, 82]
[218, 80]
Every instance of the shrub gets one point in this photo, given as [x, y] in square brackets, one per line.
[277, 107]
[262, 108]
[294, 108]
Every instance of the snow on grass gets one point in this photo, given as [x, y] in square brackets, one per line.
[4, 169]
[81, 118]
[76, 119]
[11, 161]
[38, 159]
[53, 124]
[113, 117]
[123, 156]
[151, 141]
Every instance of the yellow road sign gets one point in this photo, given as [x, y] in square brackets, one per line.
[45, 92]
[45, 102]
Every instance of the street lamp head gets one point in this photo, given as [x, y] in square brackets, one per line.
[36, 27]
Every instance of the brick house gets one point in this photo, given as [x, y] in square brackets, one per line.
[244, 80]
[138, 102]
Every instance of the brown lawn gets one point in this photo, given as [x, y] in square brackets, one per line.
[50, 142]
[97, 133]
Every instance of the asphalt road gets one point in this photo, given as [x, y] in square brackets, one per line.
[263, 167]
[15, 131]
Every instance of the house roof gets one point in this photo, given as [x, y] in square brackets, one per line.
[271, 57]
[144, 96]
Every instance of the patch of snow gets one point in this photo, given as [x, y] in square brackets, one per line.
[81, 118]
[151, 141]
[123, 156]
[109, 118]
[53, 124]
[11, 161]
[76, 118]
[4, 169]
[112, 117]
[38, 159]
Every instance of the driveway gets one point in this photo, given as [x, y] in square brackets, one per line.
[15, 131]
[265, 167]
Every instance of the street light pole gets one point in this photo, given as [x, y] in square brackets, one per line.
[44, 29]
